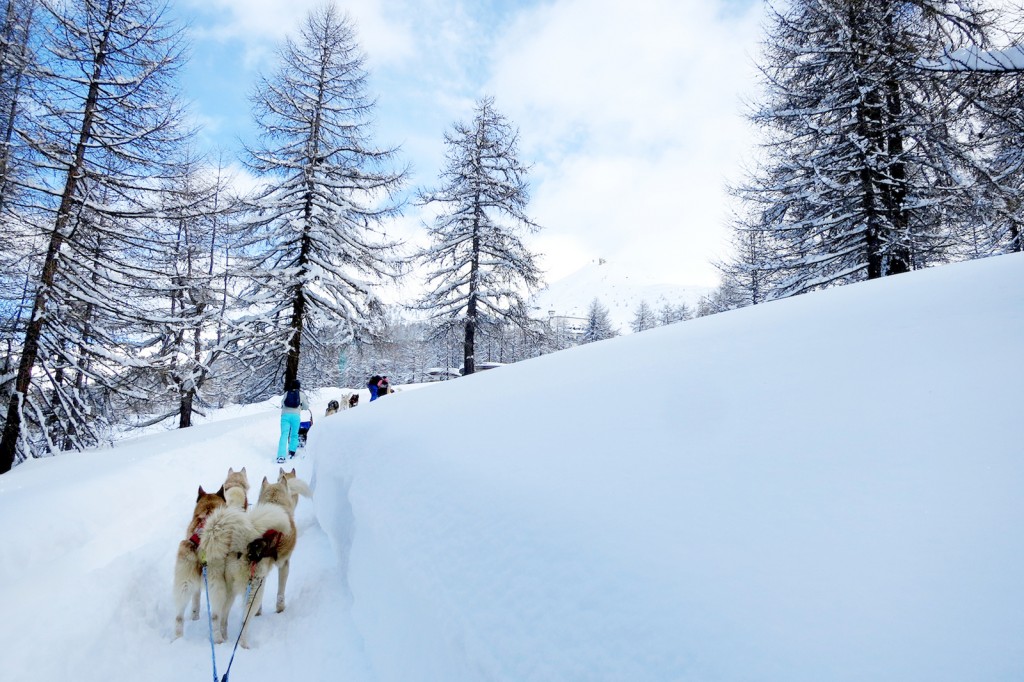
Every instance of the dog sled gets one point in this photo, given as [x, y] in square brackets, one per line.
[305, 425]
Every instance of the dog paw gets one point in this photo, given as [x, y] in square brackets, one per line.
[280, 606]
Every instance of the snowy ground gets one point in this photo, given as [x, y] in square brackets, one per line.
[823, 488]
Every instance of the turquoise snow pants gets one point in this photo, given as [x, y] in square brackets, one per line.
[289, 434]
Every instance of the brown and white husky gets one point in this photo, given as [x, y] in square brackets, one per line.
[188, 570]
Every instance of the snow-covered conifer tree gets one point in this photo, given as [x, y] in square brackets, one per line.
[749, 277]
[317, 247]
[191, 289]
[103, 117]
[674, 313]
[478, 266]
[862, 167]
[643, 318]
[16, 251]
[992, 79]
[598, 326]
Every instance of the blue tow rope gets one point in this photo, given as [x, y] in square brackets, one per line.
[209, 619]
[248, 589]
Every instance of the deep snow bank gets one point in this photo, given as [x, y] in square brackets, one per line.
[823, 488]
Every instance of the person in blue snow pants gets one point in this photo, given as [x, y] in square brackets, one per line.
[291, 417]
[289, 435]
[374, 386]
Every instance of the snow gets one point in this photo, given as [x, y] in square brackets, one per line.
[821, 488]
[1007, 59]
[619, 289]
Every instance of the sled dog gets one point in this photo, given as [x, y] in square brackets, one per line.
[236, 489]
[283, 495]
[238, 547]
[347, 401]
[188, 571]
[296, 486]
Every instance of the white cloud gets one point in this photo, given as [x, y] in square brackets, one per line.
[633, 112]
[260, 25]
[630, 112]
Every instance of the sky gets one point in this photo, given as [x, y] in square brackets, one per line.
[630, 114]
[820, 489]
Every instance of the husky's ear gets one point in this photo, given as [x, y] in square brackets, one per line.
[220, 493]
[230, 471]
[264, 484]
[244, 475]
[201, 493]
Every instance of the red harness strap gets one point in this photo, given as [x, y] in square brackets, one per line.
[273, 536]
[195, 536]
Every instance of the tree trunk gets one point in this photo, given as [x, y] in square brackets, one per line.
[185, 411]
[469, 342]
[899, 251]
[291, 368]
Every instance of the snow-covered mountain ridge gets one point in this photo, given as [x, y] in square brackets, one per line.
[618, 289]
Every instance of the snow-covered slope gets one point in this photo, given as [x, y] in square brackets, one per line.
[619, 290]
[821, 488]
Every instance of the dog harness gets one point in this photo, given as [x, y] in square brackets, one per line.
[195, 536]
[273, 537]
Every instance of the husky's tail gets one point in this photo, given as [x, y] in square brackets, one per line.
[266, 517]
[300, 487]
[227, 530]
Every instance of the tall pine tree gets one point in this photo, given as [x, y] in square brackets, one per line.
[862, 166]
[316, 247]
[104, 118]
[479, 269]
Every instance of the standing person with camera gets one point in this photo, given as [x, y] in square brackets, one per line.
[378, 386]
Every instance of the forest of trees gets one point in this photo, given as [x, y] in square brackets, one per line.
[880, 151]
[140, 286]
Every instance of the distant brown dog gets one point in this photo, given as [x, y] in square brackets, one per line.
[236, 489]
[188, 570]
[353, 400]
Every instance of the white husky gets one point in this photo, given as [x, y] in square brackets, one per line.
[236, 546]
